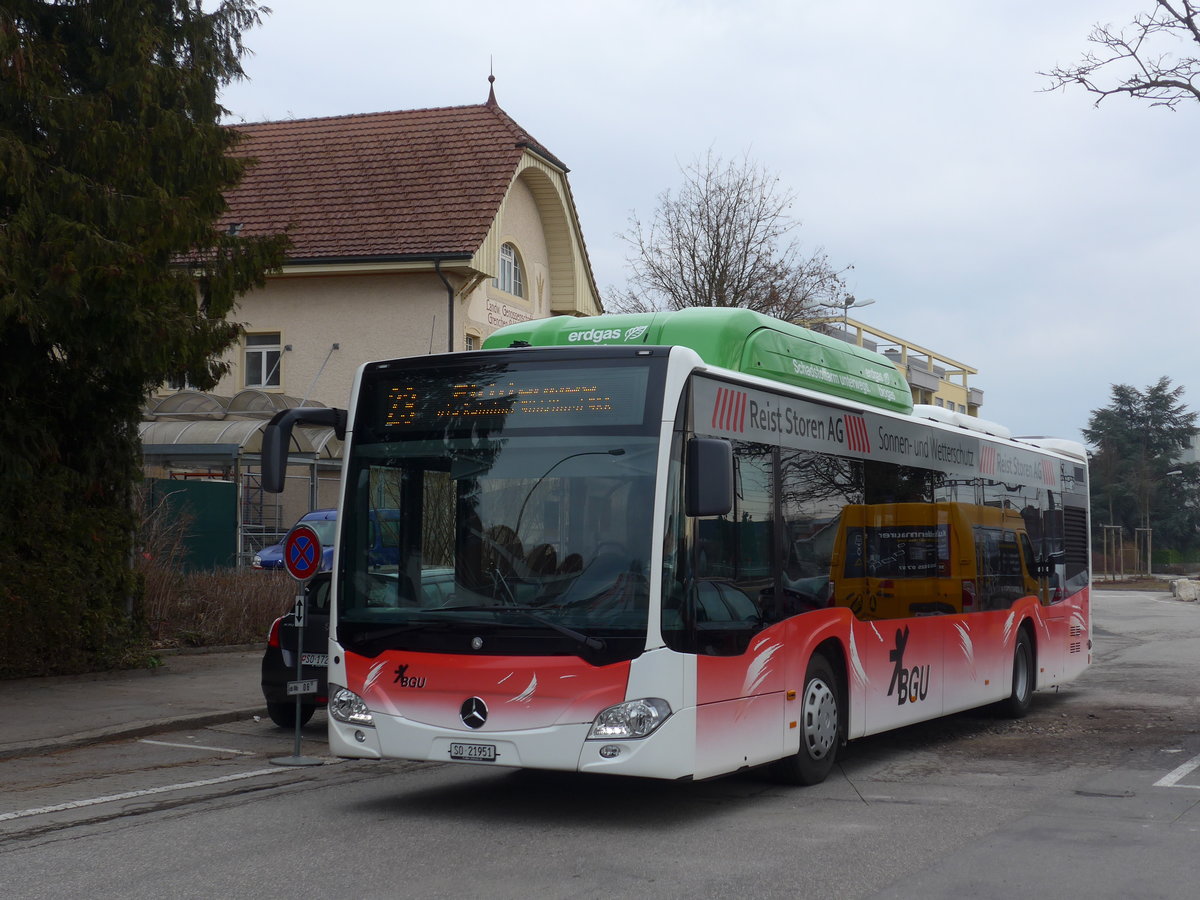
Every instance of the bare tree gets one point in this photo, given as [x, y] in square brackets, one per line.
[1135, 60]
[726, 240]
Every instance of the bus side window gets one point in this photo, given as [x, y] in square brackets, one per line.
[732, 559]
[814, 494]
[1029, 568]
[998, 555]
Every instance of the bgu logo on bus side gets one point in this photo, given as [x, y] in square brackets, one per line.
[909, 685]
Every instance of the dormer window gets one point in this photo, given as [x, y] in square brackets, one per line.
[511, 278]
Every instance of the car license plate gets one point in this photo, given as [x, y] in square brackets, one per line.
[302, 687]
[474, 752]
[314, 659]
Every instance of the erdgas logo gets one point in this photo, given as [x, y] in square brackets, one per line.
[600, 335]
[594, 335]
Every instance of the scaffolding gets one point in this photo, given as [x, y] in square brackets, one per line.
[189, 434]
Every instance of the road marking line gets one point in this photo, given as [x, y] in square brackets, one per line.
[197, 747]
[131, 795]
[1172, 778]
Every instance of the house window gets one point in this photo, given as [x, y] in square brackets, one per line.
[262, 360]
[470, 342]
[511, 277]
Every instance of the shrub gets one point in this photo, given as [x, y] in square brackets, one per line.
[201, 609]
[218, 608]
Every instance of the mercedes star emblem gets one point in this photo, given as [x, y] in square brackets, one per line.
[474, 712]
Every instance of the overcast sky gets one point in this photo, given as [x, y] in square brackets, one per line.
[1051, 245]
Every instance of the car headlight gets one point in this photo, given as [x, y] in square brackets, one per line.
[631, 719]
[346, 706]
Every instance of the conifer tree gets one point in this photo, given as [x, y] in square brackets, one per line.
[1137, 478]
[113, 281]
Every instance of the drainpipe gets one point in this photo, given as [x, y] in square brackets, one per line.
[437, 267]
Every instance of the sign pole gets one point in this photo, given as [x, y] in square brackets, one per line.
[302, 559]
[298, 615]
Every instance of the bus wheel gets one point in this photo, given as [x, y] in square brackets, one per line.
[1021, 699]
[820, 727]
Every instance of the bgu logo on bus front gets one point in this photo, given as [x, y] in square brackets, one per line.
[909, 685]
[405, 680]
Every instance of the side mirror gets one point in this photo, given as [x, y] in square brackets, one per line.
[277, 439]
[708, 488]
[1046, 565]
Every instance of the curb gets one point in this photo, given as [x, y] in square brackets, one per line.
[260, 646]
[103, 735]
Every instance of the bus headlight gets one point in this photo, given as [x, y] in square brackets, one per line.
[631, 719]
[346, 706]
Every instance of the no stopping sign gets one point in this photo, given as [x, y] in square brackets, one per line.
[302, 553]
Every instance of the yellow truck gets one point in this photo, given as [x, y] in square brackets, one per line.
[897, 560]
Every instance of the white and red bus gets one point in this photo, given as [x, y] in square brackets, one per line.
[676, 545]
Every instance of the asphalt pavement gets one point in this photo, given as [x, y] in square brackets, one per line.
[190, 689]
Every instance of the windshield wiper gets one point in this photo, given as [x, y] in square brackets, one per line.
[359, 633]
[579, 637]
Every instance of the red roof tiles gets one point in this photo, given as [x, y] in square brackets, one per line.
[393, 184]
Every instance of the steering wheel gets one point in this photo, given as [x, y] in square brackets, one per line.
[382, 591]
[614, 548]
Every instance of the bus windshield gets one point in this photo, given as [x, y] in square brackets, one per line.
[501, 533]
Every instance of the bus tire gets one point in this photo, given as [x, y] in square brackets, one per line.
[820, 727]
[284, 714]
[1020, 701]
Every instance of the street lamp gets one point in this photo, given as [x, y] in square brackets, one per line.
[521, 513]
[849, 303]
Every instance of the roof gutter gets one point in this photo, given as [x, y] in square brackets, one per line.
[437, 267]
[543, 154]
[385, 258]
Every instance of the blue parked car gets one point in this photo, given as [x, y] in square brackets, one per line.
[323, 522]
[384, 550]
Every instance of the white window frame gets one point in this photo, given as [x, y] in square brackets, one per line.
[262, 359]
[512, 276]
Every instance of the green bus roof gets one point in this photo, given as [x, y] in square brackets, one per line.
[737, 339]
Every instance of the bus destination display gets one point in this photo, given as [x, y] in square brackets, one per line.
[515, 398]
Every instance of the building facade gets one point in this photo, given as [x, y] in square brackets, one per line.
[412, 232]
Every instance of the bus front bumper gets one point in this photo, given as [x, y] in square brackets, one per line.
[667, 753]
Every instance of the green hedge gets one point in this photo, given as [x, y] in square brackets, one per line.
[68, 594]
[1176, 557]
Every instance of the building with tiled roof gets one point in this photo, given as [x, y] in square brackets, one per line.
[412, 232]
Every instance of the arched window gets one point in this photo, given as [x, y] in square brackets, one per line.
[511, 277]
